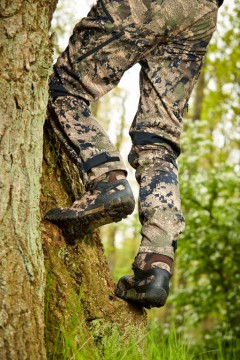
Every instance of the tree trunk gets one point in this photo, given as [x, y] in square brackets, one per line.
[25, 63]
[199, 96]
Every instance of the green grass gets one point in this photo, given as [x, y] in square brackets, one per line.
[72, 344]
[152, 346]
[172, 346]
[223, 351]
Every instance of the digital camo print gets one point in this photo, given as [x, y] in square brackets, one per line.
[159, 198]
[101, 204]
[168, 38]
[83, 135]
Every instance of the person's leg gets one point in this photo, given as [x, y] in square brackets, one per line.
[103, 45]
[168, 75]
[83, 73]
[77, 128]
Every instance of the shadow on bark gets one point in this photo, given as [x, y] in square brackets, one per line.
[81, 309]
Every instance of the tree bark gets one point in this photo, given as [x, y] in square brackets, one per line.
[25, 64]
[199, 96]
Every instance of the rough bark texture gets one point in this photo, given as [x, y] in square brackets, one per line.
[25, 63]
[80, 302]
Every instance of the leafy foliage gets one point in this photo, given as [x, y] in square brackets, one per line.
[209, 290]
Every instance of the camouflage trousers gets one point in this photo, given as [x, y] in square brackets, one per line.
[169, 39]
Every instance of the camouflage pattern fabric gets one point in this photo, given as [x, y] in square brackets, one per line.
[169, 39]
[83, 136]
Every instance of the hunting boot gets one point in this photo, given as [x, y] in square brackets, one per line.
[149, 286]
[108, 199]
